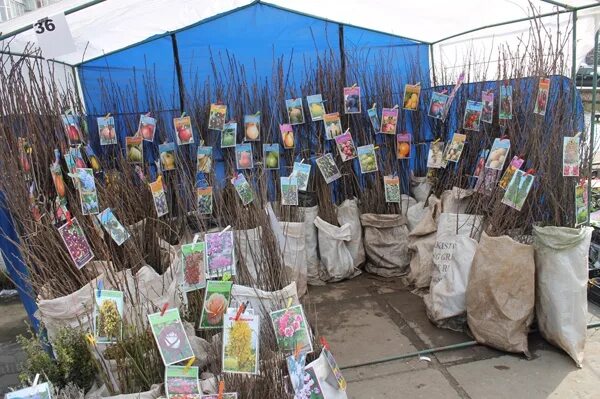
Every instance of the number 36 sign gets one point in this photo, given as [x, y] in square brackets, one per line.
[54, 36]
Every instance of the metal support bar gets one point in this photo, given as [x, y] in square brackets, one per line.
[432, 65]
[178, 72]
[574, 61]
[592, 128]
[39, 57]
[556, 3]
[69, 11]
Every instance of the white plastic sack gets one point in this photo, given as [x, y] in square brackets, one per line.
[313, 263]
[335, 256]
[419, 187]
[415, 214]
[452, 256]
[102, 392]
[456, 200]
[561, 262]
[248, 250]
[325, 376]
[264, 301]
[386, 244]
[461, 224]
[348, 213]
[294, 254]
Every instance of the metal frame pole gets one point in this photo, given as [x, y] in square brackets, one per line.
[592, 128]
[574, 61]
[178, 72]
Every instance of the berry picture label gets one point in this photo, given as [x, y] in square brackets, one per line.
[108, 316]
[328, 168]
[391, 185]
[111, 224]
[87, 191]
[192, 256]
[205, 200]
[243, 188]
[76, 243]
[302, 173]
[170, 336]
[289, 190]
[472, 116]
[352, 100]
[159, 197]
[345, 146]
[106, 130]
[216, 302]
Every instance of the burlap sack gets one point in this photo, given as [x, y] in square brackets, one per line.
[348, 213]
[102, 392]
[456, 200]
[336, 258]
[419, 187]
[561, 264]
[248, 251]
[386, 244]
[313, 264]
[421, 241]
[501, 293]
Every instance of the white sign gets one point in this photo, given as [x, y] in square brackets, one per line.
[54, 36]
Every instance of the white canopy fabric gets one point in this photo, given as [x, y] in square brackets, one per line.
[115, 24]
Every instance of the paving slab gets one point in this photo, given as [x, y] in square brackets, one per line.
[359, 330]
[423, 384]
[550, 374]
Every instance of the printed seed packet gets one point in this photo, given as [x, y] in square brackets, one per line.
[226, 395]
[289, 190]
[106, 130]
[229, 135]
[216, 116]
[205, 200]
[240, 342]
[335, 370]
[541, 101]
[391, 185]
[87, 191]
[455, 148]
[108, 316]
[506, 102]
[167, 156]
[216, 301]
[518, 189]
[111, 224]
[243, 188]
[170, 336]
[39, 391]
[328, 168]
[182, 382]
[252, 127]
[333, 125]
[367, 159]
[374, 118]
[76, 243]
[72, 128]
[220, 254]
[243, 156]
[346, 147]
[316, 107]
[411, 97]
[403, 147]
[302, 173]
[135, 150]
[160, 199]
[515, 164]
[581, 204]
[352, 100]
[146, 128]
[571, 156]
[487, 113]
[498, 154]
[291, 330]
[295, 111]
[435, 158]
[311, 388]
[192, 256]
[437, 106]
[204, 159]
[287, 136]
[389, 120]
[472, 116]
[296, 371]
[271, 156]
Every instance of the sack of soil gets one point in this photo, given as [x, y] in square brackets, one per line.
[294, 254]
[336, 258]
[313, 264]
[386, 244]
[419, 187]
[421, 241]
[501, 293]
[561, 264]
[456, 200]
[348, 213]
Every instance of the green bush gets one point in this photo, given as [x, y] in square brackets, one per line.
[73, 362]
